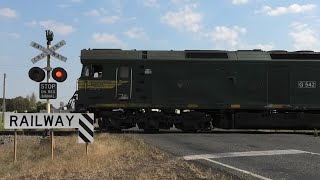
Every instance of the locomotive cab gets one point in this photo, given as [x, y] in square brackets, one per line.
[105, 82]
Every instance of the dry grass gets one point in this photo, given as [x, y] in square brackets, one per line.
[110, 157]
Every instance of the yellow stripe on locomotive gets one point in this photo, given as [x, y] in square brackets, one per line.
[99, 84]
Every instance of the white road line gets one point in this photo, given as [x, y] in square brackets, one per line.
[314, 153]
[247, 154]
[240, 170]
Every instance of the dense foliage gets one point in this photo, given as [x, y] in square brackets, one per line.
[24, 104]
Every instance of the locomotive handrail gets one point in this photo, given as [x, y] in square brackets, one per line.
[77, 85]
[116, 83]
[131, 84]
[71, 102]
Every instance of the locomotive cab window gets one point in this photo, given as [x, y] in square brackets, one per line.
[97, 71]
[86, 71]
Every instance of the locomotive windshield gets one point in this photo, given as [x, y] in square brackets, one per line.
[94, 71]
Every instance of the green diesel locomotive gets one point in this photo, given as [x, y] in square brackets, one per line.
[200, 89]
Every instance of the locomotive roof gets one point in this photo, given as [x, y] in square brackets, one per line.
[256, 54]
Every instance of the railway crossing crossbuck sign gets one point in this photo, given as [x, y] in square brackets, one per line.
[48, 51]
[38, 74]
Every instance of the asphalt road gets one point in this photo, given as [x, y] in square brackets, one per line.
[247, 155]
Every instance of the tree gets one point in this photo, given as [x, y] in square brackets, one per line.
[33, 102]
[41, 106]
[9, 105]
[27, 104]
[1, 100]
[21, 104]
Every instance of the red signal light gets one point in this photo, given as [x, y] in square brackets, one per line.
[59, 74]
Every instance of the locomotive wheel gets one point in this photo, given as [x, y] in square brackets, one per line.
[113, 125]
[147, 128]
[109, 124]
[186, 127]
[151, 131]
[102, 124]
[150, 122]
[113, 129]
[189, 130]
[193, 121]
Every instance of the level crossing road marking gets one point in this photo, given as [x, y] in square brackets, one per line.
[248, 153]
[209, 157]
[237, 169]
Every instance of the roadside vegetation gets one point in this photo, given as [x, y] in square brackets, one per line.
[1, 123]
[117, 156]
[24, 104]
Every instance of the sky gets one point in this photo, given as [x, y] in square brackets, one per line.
[145, 25]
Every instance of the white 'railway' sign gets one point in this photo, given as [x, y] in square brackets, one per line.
[41, 120]
[84, 122]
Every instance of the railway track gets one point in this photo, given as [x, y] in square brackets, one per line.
[38, 133]
[314, 132]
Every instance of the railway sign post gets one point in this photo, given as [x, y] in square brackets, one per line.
[48, 90]
[45, 93]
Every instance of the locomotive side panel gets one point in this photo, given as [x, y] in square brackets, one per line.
[293, 94]
[278, 84]
[306, 85]
[209, 84]
[294, 85]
